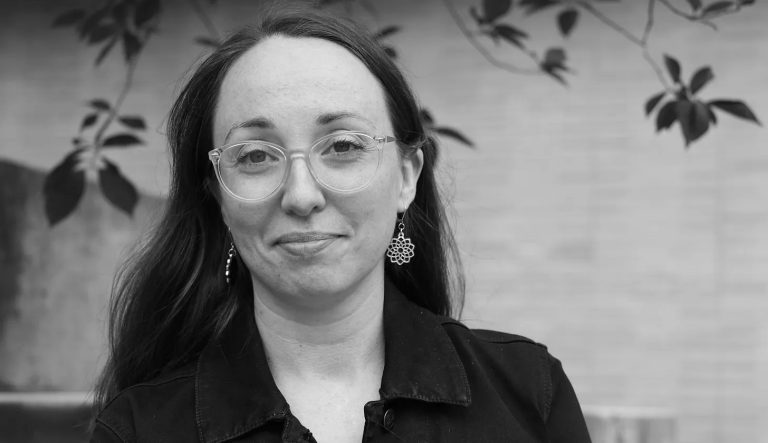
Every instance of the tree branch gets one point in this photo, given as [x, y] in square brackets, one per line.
[648, 23]
[207, 22]
[641, 42]
[610, 23]
[482, 50]
[689, 17]
[657, 69]
[118, 103]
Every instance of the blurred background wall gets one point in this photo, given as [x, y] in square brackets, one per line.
[641, 264]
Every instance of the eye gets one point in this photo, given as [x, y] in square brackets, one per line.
[255, 155]
[344, 145]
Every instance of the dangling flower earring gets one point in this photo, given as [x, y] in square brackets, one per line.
[228, 267]
[400, 249]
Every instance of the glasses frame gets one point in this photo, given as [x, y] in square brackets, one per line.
[214, 155]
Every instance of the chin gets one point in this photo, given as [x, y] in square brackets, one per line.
[321, 281]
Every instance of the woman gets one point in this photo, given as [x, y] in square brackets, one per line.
[281, 292]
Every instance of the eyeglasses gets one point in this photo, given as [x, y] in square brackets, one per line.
[253, 170]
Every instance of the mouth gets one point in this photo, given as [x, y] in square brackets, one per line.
[306, 244]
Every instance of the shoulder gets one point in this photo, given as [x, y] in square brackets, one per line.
[162, 400]
[502, 345]
[515, 367]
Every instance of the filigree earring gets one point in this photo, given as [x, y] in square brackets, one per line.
[400, 249]
[228, 267]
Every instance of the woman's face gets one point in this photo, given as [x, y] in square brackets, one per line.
[305, 242]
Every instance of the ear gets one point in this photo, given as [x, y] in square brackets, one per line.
[410, 168]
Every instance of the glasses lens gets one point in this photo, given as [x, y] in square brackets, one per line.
[345, 161]
[252, 170]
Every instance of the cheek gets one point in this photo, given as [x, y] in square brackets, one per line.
[374, 210]
[242, 220]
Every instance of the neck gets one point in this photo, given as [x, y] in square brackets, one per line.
[340, 339]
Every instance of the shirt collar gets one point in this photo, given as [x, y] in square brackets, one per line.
[235, 391]
[420, 361]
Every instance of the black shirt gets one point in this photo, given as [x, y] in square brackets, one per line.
[442, 382]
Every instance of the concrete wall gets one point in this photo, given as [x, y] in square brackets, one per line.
[56, 282]
[644, 266]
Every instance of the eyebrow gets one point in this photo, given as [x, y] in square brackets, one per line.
[322, 120]
[257, 122]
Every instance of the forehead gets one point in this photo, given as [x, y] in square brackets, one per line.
[291, 81]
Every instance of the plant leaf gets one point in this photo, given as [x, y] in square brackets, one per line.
[145, 11]
[666, 116]
[693, 118]
[131, 46]
[493, 9]
[89, 120]
[555, 56]
[426, 117]
[105, 50]
[91, 22]
[68, 18]
[703, 76]
[100, 104]
[695, 4]
[133, 121]
[554, 63]
[737, 108]
[717, 7]
[101, 33]
[119, 14]
[653, 101]
[386, 32]
[566, 20]
[117, 189]
[555, 74]
[683, 111]
[207, 41]
[533, 6]
[474, 14]
[673, 67]
[699, 120]
[390, 51]
[63, 188]
[121, 141]
[712, 116]
[510, 34]
[454, 134]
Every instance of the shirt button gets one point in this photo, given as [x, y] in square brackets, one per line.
[389, 418]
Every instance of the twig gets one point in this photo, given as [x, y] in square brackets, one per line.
[690, 17]
[642, 42]
[484, 52]
[207, 22]
[610, 23]
[118, 103]
[648, 23]
[657, 69]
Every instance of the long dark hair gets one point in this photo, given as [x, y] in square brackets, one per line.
[171, 298]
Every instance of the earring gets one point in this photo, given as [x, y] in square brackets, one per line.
[232, 252]
[400, 249]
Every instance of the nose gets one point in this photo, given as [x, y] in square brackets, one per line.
[301, 193]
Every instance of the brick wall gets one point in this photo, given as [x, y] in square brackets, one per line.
[643, 266]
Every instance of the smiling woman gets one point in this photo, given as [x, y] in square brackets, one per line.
[272, 299]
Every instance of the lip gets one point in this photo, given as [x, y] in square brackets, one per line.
[306, 244]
